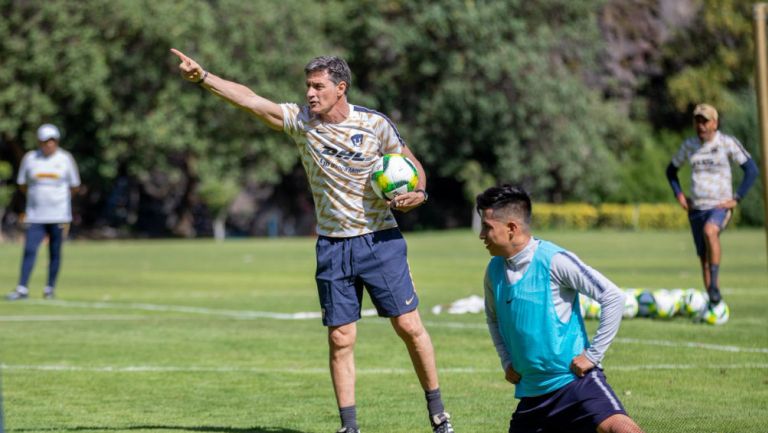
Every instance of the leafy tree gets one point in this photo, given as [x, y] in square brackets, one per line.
[102, 71]
[713, 60]
[499, 83]
[6, 190]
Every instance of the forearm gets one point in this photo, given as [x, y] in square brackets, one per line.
[419, 168]
[245, 99]
[750, 174]
[612, 308]
[673, 180]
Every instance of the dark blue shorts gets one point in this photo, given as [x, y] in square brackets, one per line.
[698, 218]
[577, 407]
[376, 261]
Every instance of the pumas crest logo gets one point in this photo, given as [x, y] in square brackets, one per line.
[357, 140]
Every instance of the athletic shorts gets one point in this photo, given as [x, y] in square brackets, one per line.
[578, 407]
[698, 218]
[375, 261]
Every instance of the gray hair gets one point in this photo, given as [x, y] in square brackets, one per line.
[337, 68]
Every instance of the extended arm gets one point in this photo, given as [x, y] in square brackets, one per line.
[234, 93]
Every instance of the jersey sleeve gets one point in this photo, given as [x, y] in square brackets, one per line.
[569, 271]
[736, 151]
[291, 123]
[391, 141]
[73, 174]
[21, 178]
[682, 155]
[493, 325]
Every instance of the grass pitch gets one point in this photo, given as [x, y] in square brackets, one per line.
[198, 336]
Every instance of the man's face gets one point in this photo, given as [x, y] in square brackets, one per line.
[705, 128]
[48, 146]
[322, 94]
[496, 234]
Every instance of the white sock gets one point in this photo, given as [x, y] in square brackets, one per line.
[22, 289]
[48, 289]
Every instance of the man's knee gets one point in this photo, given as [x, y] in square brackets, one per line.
[342, 337]
[711, 231]
[409, 325]
[618, 423]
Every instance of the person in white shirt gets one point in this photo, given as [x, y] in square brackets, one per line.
[712, 198]
[47, 176]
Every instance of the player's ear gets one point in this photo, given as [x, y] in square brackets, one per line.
[513, 227]
[341, 88]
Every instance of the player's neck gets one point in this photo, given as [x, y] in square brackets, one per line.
[518, 244]
[338, 113]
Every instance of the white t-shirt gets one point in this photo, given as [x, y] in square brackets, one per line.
[338, 159]
[48, 180]
[711, 168]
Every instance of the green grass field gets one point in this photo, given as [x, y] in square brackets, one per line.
[183, 336]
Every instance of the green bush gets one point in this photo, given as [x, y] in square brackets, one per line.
[580, 216]
[639, 216]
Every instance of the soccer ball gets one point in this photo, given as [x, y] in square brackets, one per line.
[716, 314]
[630, 304]
[645, 303]
[666, 304]
[393, 174]
[694, 302]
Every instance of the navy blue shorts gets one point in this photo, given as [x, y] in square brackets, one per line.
[698, 218]
[577, 407]
[376, 261]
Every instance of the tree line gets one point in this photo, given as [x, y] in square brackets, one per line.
[576, 100]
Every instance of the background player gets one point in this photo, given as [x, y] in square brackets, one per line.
[712, 199]
[48, 176]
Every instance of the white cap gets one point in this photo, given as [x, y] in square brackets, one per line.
[47, 131]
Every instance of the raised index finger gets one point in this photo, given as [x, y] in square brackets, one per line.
[180, 55]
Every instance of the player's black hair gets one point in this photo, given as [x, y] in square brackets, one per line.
[509, 198]
[337, 68]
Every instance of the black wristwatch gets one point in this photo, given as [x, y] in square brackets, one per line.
[426, 196]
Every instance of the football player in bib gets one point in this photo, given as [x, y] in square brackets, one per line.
[48, 176]
[359, 245]
[532, 290]
[712, 199]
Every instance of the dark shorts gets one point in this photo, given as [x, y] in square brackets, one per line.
[577, 407]
[699, 218]
[376, 261]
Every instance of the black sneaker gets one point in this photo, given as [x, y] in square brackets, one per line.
[16, 296]
[348, 430]
[441, 423]
[714, 295]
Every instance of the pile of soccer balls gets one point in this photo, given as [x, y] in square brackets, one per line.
[664, 304]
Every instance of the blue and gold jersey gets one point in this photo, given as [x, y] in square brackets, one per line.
[711, 182]
[338, 158]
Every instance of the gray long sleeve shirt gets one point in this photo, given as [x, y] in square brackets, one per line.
[567, 276]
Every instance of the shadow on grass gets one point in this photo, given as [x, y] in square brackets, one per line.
[210, 429]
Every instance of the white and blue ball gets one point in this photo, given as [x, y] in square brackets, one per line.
[631, 306]
[666, 305]
[694, 302]
[716, 314]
